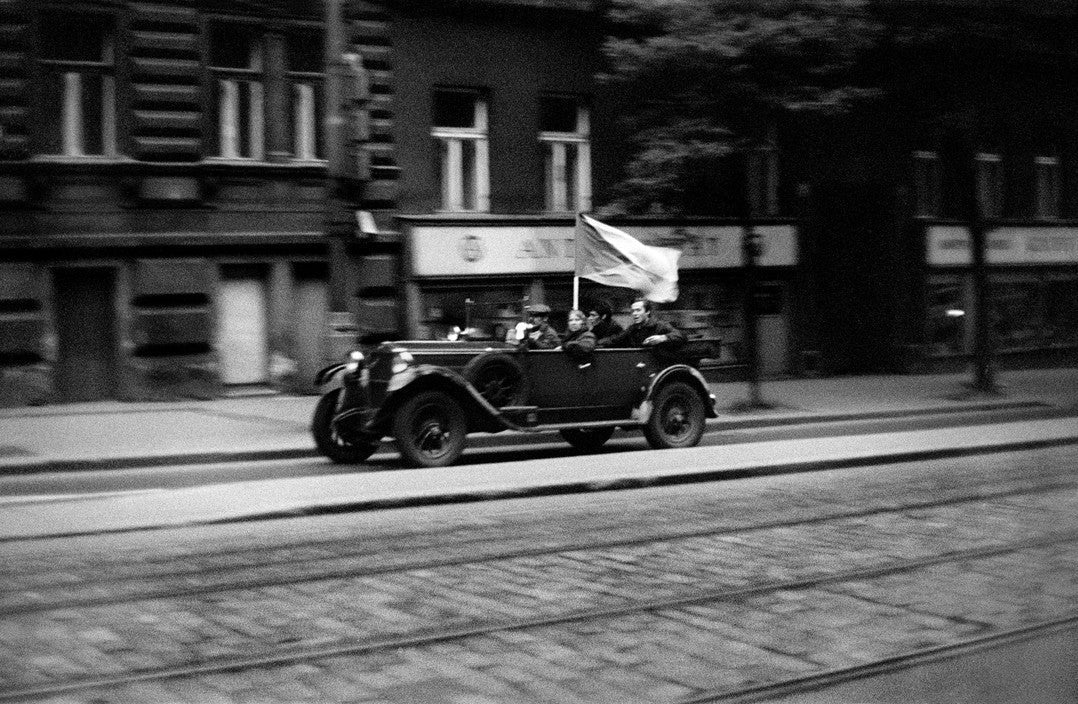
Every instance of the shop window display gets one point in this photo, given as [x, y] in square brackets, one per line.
[1061, 313]
[947, 315]
[1018, 314]
[1026, 314]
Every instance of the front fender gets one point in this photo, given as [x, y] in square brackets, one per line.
[481, 414]
[680, 372]
[327, 374]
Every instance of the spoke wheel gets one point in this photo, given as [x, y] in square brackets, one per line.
[587, 439]
[677, 418]
[430, 429]
[328, 441]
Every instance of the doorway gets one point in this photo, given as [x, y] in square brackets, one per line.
[311, 301]
[86, 367]
[242, 342]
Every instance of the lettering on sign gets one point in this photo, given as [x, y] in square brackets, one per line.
[950, 245]
[537, 249]
[471, 248]
[545, 248]
[1047, 243]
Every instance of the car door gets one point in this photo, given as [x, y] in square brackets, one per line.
[566, 391]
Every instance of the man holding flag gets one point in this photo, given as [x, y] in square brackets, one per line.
[609, 256]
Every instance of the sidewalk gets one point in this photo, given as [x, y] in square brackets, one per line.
[113, 434]
[110, 435]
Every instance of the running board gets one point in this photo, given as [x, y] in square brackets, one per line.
[622, 423]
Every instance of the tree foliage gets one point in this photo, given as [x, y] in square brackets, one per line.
[707, 78]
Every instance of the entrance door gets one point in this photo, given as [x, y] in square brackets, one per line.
[86, 334]
[241, 327]
[311, 303]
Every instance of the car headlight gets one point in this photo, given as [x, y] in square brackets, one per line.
[401, 361]
[355, 361]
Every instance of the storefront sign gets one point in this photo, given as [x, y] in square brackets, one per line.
[463, 250]
[949, 245]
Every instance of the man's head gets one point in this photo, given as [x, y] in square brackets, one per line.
[538, 313]
[599, 311]
[641, 311]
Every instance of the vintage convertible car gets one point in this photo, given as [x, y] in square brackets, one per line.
[428, 395]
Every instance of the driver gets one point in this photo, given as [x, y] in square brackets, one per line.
[646, 331]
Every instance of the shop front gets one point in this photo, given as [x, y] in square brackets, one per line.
[478, 275]
[1033, 286]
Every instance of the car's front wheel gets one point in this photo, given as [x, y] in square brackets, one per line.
[677, 417]
[587, 439]
[430, 429]
[328, 441]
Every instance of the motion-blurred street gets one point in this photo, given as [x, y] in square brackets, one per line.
[889, 547]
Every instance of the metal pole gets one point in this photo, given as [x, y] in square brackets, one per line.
[983, 367]
[335, 156]
[750, 252]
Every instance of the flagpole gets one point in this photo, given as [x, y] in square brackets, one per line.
[576, 279]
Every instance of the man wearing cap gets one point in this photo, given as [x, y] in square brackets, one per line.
[539, 335]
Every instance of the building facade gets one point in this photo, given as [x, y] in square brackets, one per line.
[194, 201]
[163, 188]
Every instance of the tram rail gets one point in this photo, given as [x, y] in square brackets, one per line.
[1044, 534]
[34, 593]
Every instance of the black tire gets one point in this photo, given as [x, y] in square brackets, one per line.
[498, 378]
[586, 439]
[331, 444]
[677, 417]
[430, 429]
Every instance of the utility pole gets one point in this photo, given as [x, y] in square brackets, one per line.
[345, 90]
[336, 156]
[750, 249]
[983, 365]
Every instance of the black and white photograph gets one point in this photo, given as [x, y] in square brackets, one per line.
[538, 351]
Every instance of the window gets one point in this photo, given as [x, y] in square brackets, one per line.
[948, 305]
[763, 180]
[80, 84]
[926, 184]
[236, 67]
[460, 129]
[1046, 187]
[565, 134]
[989, 175]
[305, 79]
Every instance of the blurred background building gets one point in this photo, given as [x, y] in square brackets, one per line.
[200, 198]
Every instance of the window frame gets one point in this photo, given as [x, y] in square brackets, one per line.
[763, 180]
[306, 137]
[69, 73]
[927, 184]
[991, 184]
[449, 147]
[253, 76]
[1047, 174]
[555, 169]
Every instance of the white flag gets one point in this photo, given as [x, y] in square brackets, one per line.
[609, 256]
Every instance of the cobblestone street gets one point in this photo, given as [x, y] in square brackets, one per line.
[645, 595]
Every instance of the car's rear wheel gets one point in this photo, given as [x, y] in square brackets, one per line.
[677, 417]
[587, 439]
[328, 441]
[430, 429]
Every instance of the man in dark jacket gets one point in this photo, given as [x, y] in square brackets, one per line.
[540, 335]
[646, 331]
[601, 321]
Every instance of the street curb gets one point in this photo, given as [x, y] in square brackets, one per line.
[618, 484]
[713, 425]
[321, 507]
